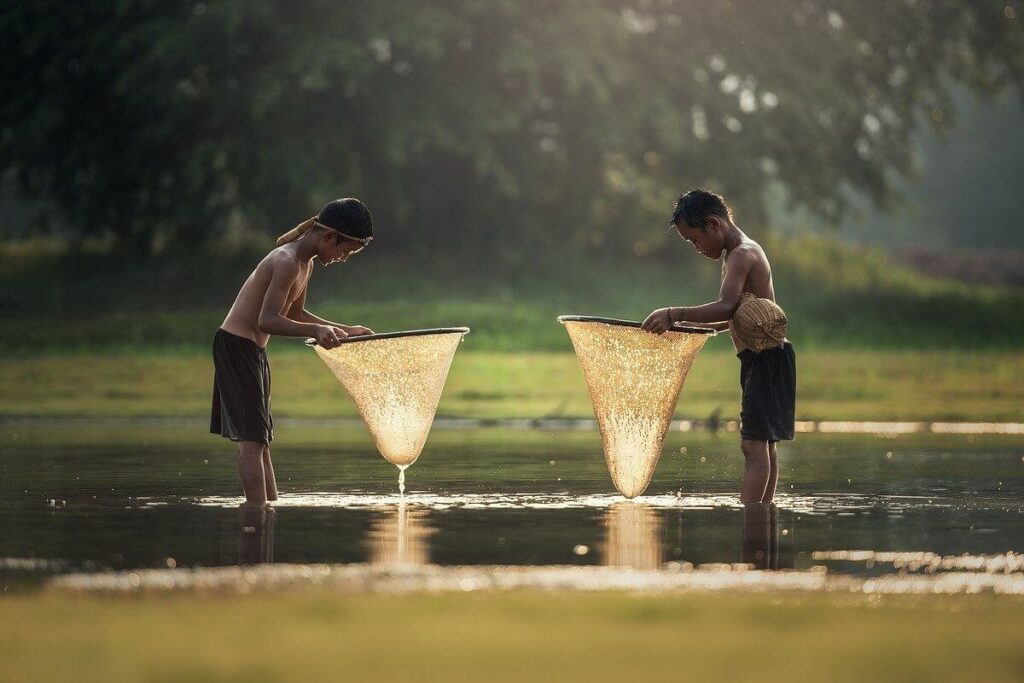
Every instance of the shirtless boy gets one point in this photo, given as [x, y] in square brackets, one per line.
[272, 302]
[767, 360]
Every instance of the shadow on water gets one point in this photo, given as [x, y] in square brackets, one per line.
[80, 500]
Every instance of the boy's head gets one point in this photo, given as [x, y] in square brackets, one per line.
[701, 217]
[344, 228]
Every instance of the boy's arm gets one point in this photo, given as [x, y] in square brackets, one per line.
[272, 322]
[299, 313]
[716, 312]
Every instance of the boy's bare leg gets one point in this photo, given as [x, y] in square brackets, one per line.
[755, 471]
[250, 467]
[268, 474]
[773, 474]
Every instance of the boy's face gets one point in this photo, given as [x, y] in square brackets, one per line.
[334, 248]
[709, 242]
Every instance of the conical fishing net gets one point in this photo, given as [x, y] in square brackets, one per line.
[634, 379]
[395, 380]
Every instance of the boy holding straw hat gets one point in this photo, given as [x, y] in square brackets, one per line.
[746, 307]
[272, 302]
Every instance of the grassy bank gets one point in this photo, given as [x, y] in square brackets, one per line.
[836, 297]
[847, 384]
[512, 637]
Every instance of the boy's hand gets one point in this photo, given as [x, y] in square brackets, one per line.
[357, 330]
[658, 322]
[328, 336]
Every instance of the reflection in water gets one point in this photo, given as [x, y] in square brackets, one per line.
[632, 536]
[255, 534]
[761, 535]
[398, 536]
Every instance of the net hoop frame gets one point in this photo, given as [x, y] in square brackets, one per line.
[631, 323]
[394, 335]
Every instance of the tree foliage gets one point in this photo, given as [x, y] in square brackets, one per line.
[474, 123]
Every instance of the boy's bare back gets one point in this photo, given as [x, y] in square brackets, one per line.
[283, 277]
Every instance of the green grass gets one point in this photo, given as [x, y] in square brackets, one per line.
[841, 384]
[524, 636]
[87, 335]
[836, 297]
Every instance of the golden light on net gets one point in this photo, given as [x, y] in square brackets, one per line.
[634, 379]
[395, 381]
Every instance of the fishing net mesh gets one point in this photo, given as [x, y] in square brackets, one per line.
[634, 379]
[396, 385]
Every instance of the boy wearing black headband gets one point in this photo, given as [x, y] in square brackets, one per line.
[746, 307]
[272, 302]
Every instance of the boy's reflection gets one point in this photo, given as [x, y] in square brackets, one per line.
[761, 535]
[255, 533]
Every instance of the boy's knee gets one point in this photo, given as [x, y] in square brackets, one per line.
[250, 449]
[754, 449]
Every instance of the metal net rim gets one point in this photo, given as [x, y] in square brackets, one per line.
[394, 335]
[630, 323]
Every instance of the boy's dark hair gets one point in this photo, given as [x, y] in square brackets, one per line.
[349, 216]
[694, 208]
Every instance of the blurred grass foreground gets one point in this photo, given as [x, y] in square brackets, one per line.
[513, 637]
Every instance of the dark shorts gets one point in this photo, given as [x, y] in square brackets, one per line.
[241, 390]
[768, 380]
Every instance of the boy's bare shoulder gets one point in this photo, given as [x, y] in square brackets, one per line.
[747, 253]
[282, 262]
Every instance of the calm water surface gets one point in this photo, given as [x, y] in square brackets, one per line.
[95, 498]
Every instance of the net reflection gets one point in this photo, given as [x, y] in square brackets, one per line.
[632, 536]
[255, 534]
[399, 535]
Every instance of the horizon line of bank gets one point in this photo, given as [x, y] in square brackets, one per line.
[875, 427]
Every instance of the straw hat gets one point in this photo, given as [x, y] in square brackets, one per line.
[759, 323]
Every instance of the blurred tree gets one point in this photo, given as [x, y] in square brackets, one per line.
[474, 123]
